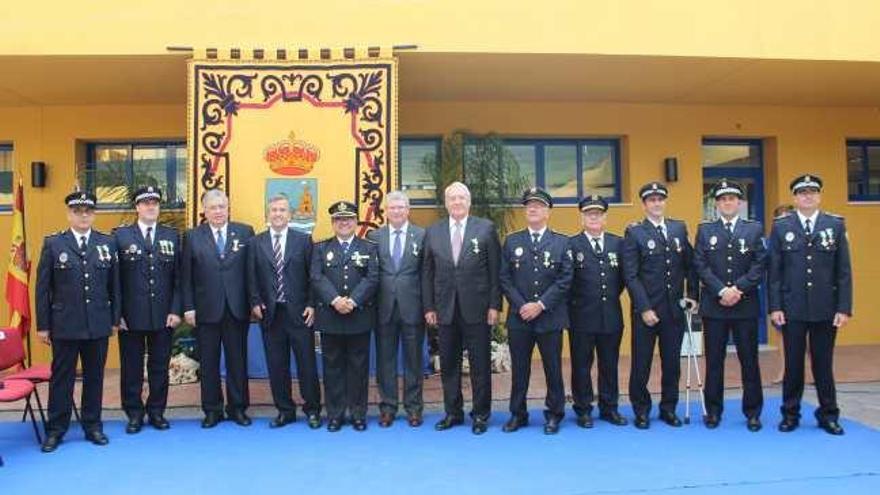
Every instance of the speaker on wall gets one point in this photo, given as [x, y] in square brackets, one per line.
[38, 174]
[670, 168]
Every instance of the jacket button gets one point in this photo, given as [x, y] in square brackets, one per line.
[88, 301]
[809, 257]
[602, 274]
[604, 298]
[86, 288]
[668, 261]
[86, 275]
[809, 284]
[809, 270]
[668, 286]
[730, 258]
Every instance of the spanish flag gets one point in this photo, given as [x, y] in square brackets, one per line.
[19, 268]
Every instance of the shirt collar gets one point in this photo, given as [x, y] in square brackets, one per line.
[812, 218]
[539, 232]
[349, 240]
[223, 229]
[403, 228]
[143, 227]
[601, 237]
[463, 223]
[661, 223]
[77, 235]
[733, 221]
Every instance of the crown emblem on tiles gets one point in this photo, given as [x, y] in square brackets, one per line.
[291, 156]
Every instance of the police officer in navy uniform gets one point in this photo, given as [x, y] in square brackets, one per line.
[345, 278]
[215, 302]
[596, 313]
[730, 258]
[77, 299]
[657, 260]
[149, 265]
[535, 278]
[810, 293]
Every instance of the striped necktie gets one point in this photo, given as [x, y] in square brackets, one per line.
[279, 269]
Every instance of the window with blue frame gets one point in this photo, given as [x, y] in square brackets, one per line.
[418, 156]
[6, 172]
[115, 170]
[863, 169]
[569, 169]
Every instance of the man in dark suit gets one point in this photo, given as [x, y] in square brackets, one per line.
[280, 293]
[345, 277]
[730, 257]
[535, 277]
[810, 298]
[400, 311]
[596, 313]
[149, 267]
[215, 301]
[657, 260]
[77, 299]
[461, 293]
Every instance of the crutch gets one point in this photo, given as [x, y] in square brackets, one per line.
[692, 363]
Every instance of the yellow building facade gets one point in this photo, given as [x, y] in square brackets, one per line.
[660, 79]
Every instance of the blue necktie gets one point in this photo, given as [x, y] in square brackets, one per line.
[345, 249]
[397, 250]
[221, 243]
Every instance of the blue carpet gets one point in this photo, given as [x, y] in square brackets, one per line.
[606, 459]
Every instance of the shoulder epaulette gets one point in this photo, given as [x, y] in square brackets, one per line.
[781, 217]
[634, 224]
[835, 215]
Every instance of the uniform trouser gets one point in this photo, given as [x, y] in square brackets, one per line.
[388, 339]
[232, 335]
[133, 345]
[522, 344]
[668, 332]
[454, 339]
[346, 374]
[606, 347]
[745, 335]
[92, 354]
[279, 337]
[821, 338]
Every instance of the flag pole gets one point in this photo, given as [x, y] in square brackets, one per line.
[27, 330]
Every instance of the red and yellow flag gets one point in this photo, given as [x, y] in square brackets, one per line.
[19, 268]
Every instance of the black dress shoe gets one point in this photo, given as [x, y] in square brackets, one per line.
[97, 437]
[134, 425]
[515, 423]
[711, 421]
[240, 418]
[832, 427]
[788, 425]
[334, 425]
[51, 443]
[479, 427]
[386, 420]
[642, 422]
[551, 427]
[283, 419]
[753, 423]
[670, 418]
[584, 421]
[359, 424]
[159, 422]
[448, 422]
[614, 418]
[314, 421]
[415, 420]
[212, 419]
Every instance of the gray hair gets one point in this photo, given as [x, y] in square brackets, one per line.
[278, 197]
[457, 186]
[397, 196]
[214, 194]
